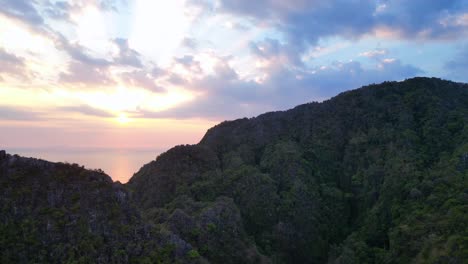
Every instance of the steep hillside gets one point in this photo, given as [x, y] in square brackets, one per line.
[63, 213]
[374, 175]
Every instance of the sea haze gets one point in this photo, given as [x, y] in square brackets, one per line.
[120, 164]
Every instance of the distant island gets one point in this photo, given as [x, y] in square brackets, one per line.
[374, 175]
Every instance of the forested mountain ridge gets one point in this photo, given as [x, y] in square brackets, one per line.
[63, 213]
[374, 175]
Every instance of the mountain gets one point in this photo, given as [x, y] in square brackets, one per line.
[63, 213]
[374, 175]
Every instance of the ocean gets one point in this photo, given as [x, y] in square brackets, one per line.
[120, 165]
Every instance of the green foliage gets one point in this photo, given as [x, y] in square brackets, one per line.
[193, 254]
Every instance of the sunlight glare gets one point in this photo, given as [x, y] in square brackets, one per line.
[158, 28]
[123, 119]
[131, 99]
[16, 37]
[35, 48]
[92, 31]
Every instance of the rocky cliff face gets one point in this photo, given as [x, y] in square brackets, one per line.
[375, 175]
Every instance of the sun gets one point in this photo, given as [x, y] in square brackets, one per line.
[123, 119]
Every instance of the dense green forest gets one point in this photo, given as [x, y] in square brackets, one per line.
[374, 175]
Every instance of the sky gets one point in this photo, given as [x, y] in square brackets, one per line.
[153, 74]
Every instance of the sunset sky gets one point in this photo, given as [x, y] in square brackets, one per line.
[153, 73]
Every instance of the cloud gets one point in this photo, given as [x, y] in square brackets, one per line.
[226, 95]
[425, 19]
[17, 114]
[13, 65]
[275, 75]
[182, 69]
[189, 43]
[59, 10]
[78, 52]
[206, 107]
[187, 61]
[9, 61]
[220, 91]
[86, 110]
[339, 77]
[272, 51]
[142, 79]
[86, 75]
[63, 10]
[176, 79]
[374, 53]
[126, 55]
[83, 68]
[111, 5]
[157, 72]
[305, 22]
[24, 10]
